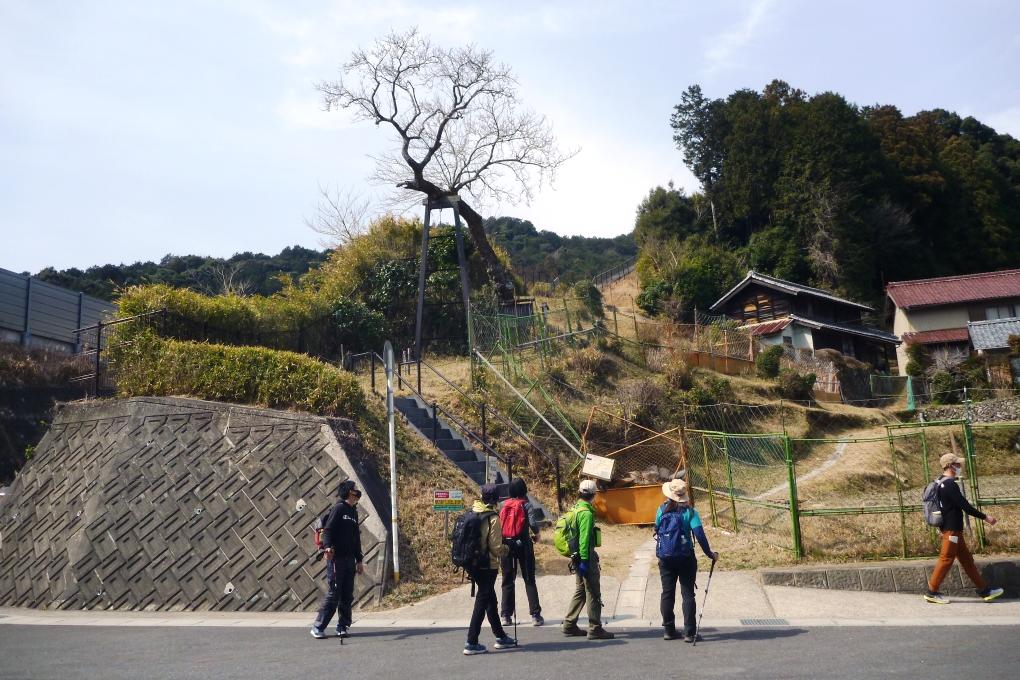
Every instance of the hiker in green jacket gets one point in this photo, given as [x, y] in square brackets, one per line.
[586, 569]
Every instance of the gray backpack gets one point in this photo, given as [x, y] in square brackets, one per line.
[930, 503]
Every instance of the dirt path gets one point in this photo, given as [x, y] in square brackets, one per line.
[821, 469]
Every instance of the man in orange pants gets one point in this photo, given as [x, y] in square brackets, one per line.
[953, 546]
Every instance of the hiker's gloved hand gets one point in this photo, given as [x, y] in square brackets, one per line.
[714, 556]
[582, 567]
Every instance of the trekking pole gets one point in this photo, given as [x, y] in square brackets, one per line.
[704, 599]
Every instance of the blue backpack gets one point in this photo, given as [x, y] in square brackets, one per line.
[673, 536]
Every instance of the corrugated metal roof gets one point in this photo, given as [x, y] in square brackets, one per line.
[773, 327]
[949, 290]
[938, 337]
[994, 334]
[784, 286]
[767, 327]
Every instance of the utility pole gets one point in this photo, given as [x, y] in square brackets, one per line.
[394, 520]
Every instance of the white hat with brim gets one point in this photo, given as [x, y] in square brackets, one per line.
[676, 490]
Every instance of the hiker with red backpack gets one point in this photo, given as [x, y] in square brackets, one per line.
[477, 549]
[520, 531]
[675, 522]
[341, 544]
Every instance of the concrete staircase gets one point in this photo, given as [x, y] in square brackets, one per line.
[455, 447]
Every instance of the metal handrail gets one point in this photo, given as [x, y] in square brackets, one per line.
[505, 420]
[467, 431]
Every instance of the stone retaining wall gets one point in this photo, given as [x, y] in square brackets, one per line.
[908, 576]
[181, 504]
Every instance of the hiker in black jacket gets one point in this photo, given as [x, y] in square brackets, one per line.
[341, 538]
[953, 546]
[521, 554]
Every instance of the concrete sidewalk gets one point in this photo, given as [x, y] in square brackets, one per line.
[736, 599]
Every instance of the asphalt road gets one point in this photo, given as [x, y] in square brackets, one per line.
[149, 653]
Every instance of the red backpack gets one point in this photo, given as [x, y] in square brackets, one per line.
[513, 518]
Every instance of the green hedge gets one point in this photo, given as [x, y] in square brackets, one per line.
[151, 366]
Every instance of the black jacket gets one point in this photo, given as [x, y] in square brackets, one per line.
[954, 505]
[342, 532]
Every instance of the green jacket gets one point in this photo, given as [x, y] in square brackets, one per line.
[584, 517]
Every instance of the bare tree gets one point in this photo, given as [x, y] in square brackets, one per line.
[225, 278]
[458, 125]
[340, 215]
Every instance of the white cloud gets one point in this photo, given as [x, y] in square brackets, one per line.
[724, 49]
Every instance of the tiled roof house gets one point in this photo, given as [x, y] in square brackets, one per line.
[936, 312]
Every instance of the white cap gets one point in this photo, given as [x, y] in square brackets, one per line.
[588, 487]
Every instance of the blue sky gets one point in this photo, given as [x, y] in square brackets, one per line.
[129, 130]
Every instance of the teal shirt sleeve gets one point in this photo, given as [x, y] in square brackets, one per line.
[658, 517]
[694, 519]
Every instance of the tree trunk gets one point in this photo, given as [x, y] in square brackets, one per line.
[497, 273]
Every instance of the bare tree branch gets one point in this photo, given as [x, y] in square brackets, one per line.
[340, 215]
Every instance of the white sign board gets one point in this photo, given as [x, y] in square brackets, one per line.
[598, 467]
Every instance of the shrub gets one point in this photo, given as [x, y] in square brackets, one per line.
[590, 364]
[720, 390]
[792, 385]
[642, 401]
[944, 389]
[678, 373]
[917, 360]
[590, 297]
[244, 375]
[766, 364]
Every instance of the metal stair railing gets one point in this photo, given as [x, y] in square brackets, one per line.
[456, 422]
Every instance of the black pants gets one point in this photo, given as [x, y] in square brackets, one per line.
[520, 557]
[340, 573]
[684, 570]
[485, 606]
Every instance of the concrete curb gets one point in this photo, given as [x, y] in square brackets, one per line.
[907, 576]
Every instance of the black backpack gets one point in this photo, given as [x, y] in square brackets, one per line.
[466, 551]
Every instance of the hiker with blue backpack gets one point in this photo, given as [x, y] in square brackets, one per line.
[944, 505]
[675, 523]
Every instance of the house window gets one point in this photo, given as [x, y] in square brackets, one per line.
[999, 312]
[788, 341]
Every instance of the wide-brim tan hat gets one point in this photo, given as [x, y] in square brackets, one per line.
[676, 490]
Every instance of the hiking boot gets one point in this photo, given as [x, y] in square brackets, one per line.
[692, 638]
[935, 598]
[537, 620]
[989, 594]
[505, 642]
[508, 620]
[471, 650]
[669, 632]
[343, 631]
[600, 633]
[573, 631]
[318, 634]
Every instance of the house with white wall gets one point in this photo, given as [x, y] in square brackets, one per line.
[935, 312]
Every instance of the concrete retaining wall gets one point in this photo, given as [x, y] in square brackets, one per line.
[907, 576]
[181, 504]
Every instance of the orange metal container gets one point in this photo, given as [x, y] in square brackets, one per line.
[629, 505]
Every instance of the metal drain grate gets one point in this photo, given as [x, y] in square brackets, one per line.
[764, 622]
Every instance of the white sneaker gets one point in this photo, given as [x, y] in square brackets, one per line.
[989, 594]
[318, 634]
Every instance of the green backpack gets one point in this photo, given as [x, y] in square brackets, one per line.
[565, 534]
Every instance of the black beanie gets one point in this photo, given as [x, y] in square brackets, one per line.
[490, 494]
[518, 489]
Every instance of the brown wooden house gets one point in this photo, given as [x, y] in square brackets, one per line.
[805, 319]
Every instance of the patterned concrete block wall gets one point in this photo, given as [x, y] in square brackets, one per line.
[179, 504]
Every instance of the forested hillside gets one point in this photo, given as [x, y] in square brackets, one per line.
[249, 273]
[544, 255]
[818, 190]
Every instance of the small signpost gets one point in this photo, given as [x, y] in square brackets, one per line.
[447, 501]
